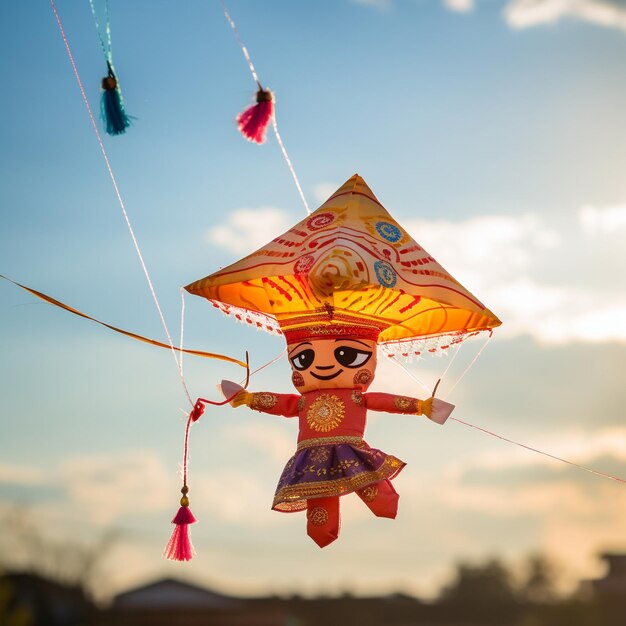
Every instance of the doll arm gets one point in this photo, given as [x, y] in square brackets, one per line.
[434, 409]
[391, 403]
[285, 404]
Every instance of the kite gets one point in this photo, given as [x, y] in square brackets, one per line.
[336, 285]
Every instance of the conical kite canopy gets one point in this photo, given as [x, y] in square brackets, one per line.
[348, 262]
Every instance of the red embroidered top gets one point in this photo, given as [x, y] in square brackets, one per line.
[329, 413]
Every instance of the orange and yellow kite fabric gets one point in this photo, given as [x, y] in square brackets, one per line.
[349, 262]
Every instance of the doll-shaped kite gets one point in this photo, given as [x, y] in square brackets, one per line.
[336, 285]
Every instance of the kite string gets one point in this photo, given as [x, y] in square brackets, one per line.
[182, 326]
[120, 201]
[546, 454]
[488, 432]
[255, 76]
[467, 369]
[410, 373]
[106, 48]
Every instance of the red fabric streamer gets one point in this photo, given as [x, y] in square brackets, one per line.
[253, 121]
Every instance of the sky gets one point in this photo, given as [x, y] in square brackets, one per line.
[491, 130]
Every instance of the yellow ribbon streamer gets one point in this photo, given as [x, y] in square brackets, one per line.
[154, 342]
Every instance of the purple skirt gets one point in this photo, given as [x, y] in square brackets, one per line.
[321, 470]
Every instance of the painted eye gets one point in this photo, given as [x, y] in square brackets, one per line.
[303, 360]
[351, 357]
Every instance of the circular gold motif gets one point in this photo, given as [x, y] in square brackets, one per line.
[263, 400]
[369, 493]
[362, 377]
[318, 516]
[325, 413]
[357, 397]
[403, 404]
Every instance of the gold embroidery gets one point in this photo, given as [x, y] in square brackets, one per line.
[357, 397]
[301, 403]
[362, 377]
[293, 497]
[406, 405]
[369, 493]
[320, 454]
[325, 413]
[263, 400]
[318, 516]
[331, 441]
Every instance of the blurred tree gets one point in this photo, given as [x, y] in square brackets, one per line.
[539, 583]
[490, 584]
[25, 547]
[11, 613]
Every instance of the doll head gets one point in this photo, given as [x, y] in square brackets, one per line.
[333, 363]
[330, 350]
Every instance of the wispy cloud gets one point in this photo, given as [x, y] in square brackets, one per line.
[530, 273]
[602, 220]
[527, 13]
[559, 504]
[245, 230]
[323, 191]
[460, 6]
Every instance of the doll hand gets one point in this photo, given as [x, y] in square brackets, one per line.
[242, 397]
[426, 407]
[440, 411]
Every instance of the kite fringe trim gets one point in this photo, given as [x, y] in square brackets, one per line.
[408, 350]
[260, 321]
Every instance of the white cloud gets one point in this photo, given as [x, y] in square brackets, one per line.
[265, 438]
[461, 6]
[527, 13]
[323, 191]
[602, 220]
[25, 475]
[573, 445]
[245, 230]
[107, 487]
[527, 272]
[513, 482]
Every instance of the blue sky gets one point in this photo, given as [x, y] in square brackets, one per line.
[493, 131]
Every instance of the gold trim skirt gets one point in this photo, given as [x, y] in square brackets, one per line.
[333, 466]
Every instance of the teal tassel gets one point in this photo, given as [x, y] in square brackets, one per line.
[112, 110]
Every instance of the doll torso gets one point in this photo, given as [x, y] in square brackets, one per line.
[331, 413]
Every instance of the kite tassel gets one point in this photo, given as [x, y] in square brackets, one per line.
[112, 109]
[179, 547]
[253, 122]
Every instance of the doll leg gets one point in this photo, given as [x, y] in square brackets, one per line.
[381, 498]
[322, 517]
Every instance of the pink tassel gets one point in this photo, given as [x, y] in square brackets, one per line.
[253, 121]
[179, 547]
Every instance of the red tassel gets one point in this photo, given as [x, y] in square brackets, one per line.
[179, 547]
[253, 121]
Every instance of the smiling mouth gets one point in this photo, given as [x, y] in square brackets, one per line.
[329, 377]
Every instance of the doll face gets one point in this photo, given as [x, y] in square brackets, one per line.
[332, 364]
